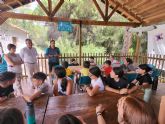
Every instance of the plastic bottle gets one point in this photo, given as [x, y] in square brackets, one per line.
[30, 114]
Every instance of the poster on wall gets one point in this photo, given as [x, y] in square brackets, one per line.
[156, 40]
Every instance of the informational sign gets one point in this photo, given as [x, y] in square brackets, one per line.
[65, 26]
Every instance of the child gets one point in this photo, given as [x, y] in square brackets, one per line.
[106, 69]
[11, 116]
[68, 70]
[62, 84]
[96, 81]
[7, 79]
[85, 70]
[38, 80]
[3, 64]
[131, 110]
[70, 119]
[128, 66]
[73, 63]
[116, 81]
[92, 62]
[143, 79]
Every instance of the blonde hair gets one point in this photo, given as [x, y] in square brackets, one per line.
[136, 111]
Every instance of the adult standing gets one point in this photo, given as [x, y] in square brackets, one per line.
[14, 62]
[29, 56]
[53, 54]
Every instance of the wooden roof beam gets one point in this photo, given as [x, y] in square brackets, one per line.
[57, 7]
[127, 11]
[74, 21]
[106, 9]
[50, 6]
[99, 9]
[112, 12]
[43, 7]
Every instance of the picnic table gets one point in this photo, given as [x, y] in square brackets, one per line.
[19, 103]
[84, 106]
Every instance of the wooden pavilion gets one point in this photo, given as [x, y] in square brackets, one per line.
[137, 13]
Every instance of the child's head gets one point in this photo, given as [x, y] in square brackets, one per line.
[107, 63]
[86, 64]
[11, 48]
[128, 61]
[7, 79]
[73, 60]
[143, 68]
[117, 72]
[61, 73]
[11, 116]
[91, 58]
[95, 72]
[39, 78]
[142, 112]
[65, 64]
[68, 119]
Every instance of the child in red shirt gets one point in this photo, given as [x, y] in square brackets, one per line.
[106, 69]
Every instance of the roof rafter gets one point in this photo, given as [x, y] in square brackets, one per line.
[127, 11]
[74, 21]
[50, 6]
[57, 7]
[99, 9]
[106, 9]
[113, 11]
[43, 7]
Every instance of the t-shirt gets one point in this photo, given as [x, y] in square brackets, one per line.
[3, 65]
[68, 71]
[122, 83]
[55, 51]
[84, 72]
[6, 91]
[98, 82]
[43, 88]
[144, 78]
[107, 70]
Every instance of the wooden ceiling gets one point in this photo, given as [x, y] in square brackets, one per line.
[138, 12]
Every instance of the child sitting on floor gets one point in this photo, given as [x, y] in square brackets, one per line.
[73, 62]
[92, 61]
[96, 81]
[62, 84]
[68, 70]
[7, 79]
[38, 80]
[116, 82]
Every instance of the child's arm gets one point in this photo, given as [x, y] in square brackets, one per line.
[9, 60]
[69, 87]
[107, 88]
[99, 110]
[55, 90]
[93, 91]
[34, 96]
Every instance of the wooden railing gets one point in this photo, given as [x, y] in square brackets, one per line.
[157, 60]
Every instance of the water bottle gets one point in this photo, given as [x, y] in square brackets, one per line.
[30, 114]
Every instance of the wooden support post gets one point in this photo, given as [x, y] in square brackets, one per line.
[138, 44]
[80, 42]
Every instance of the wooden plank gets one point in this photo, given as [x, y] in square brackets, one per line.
[80, 42]
[19, 2]
[57, 7]
[2, 19]
[43, 7]
[74, 21]
[50, 6]
[106, 9]
[127, 11]
[113, 11]
[39, 106]
[99, 9]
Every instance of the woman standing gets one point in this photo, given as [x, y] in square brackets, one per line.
[14, 62]
[53, 54]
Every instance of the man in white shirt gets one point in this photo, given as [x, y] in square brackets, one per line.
[29, 56]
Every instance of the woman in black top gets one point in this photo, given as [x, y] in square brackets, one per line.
[143, 79]
[116, 82]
